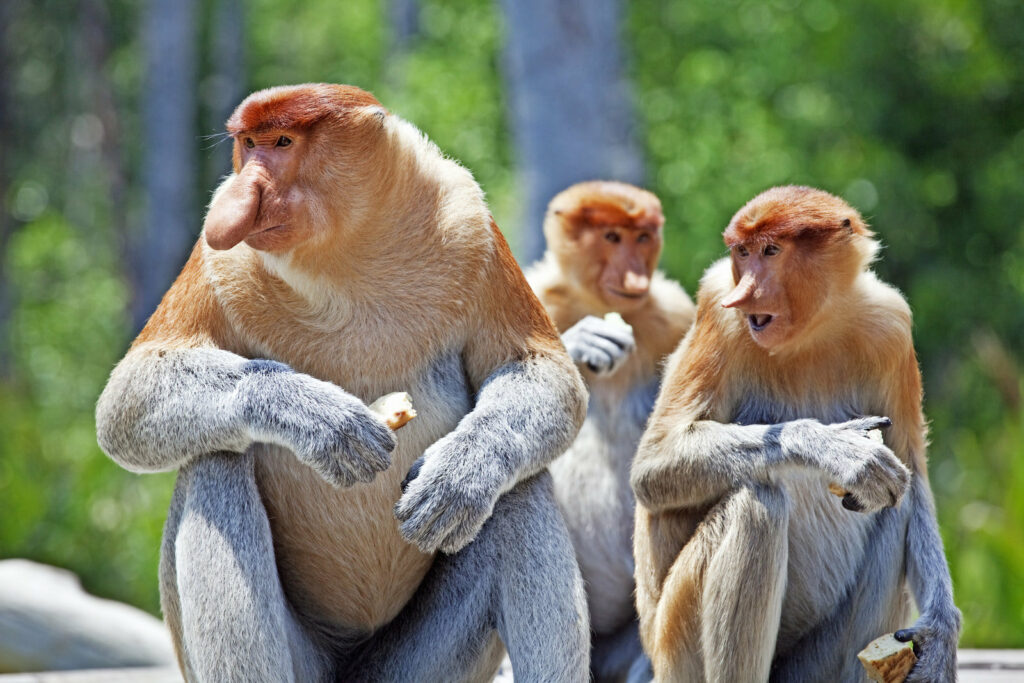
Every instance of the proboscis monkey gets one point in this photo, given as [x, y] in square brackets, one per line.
[604, 239]
[748, 567]
[346, 258]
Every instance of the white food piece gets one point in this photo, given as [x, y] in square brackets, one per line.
[395, 409]
[887, 660]
[616, 319]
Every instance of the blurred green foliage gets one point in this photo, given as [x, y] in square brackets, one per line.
[912, 110]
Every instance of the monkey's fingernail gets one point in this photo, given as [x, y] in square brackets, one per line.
[851, 503]
[903, 635]
[884, 423]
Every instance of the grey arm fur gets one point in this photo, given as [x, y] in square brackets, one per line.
[526, 414]
[937, 631]
[700, 463]
[161, 409]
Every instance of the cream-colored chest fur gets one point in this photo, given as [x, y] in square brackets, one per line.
[369, 341]
[592, 488]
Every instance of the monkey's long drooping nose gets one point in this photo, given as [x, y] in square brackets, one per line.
[741, 293]
[232, 214]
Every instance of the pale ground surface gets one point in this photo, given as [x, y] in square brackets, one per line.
[976, 666]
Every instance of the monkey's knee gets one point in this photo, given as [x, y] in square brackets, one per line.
[759, 510]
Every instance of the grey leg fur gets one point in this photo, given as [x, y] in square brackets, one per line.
[221, 592]
[874, 605]
[517, 580]
[619, 656]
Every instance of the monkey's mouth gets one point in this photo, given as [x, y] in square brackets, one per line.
[264, 231]
[628, 295]
[759, 321]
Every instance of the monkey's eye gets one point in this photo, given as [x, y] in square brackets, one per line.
[742, 251]
[644, 237]
[771, 250]
[283, 141]
[249, 143]
[612, 237]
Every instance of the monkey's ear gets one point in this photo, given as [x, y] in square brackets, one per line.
[380, 114]
[846, 223]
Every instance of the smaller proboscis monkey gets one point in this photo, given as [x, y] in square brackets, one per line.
[798, 380]
[604, 240]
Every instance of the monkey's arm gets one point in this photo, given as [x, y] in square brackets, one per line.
[937, 631]
[176, 395]
[691, 465]
[163, 407]
[529, 406]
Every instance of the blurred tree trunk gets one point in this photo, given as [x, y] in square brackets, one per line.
[225, 85]
[405, 23]
[6, 224]
[98, 95]
[170, 168]
[572, 116]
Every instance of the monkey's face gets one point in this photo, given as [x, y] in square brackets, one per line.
[763, 272]
[263, 204]
[619, 263]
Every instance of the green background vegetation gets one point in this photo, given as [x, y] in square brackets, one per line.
[912, 110]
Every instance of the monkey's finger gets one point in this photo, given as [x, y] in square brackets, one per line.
[622, 338]
[597, 359]
[331, 470]
[414, 472]
[431, 535]
[417, 517]
[420, 503]
[460, 537]
[606, 346]
[866, 424]
[851, 503]
[905, 635]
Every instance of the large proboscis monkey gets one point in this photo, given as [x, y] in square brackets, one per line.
[346, 258]
[604, 239]
[748, 568]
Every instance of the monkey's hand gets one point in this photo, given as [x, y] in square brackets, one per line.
[935, 645]
[448, 494]
[599, 344]
[870, 474]
[325, 427]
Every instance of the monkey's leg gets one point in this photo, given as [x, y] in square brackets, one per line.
[875, 604]
[517, 580]
[219, 583]
[718, 616]
[619, 656]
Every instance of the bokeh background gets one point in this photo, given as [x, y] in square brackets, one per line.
[111, 116]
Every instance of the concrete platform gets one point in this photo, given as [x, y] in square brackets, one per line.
[976, 666]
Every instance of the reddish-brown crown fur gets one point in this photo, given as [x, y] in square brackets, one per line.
[605, 202]
[296, 106]
[793, 212]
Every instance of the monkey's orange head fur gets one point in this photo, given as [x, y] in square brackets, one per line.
[607, 236]
[793, 248]
[296, 106]
[793, 212]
